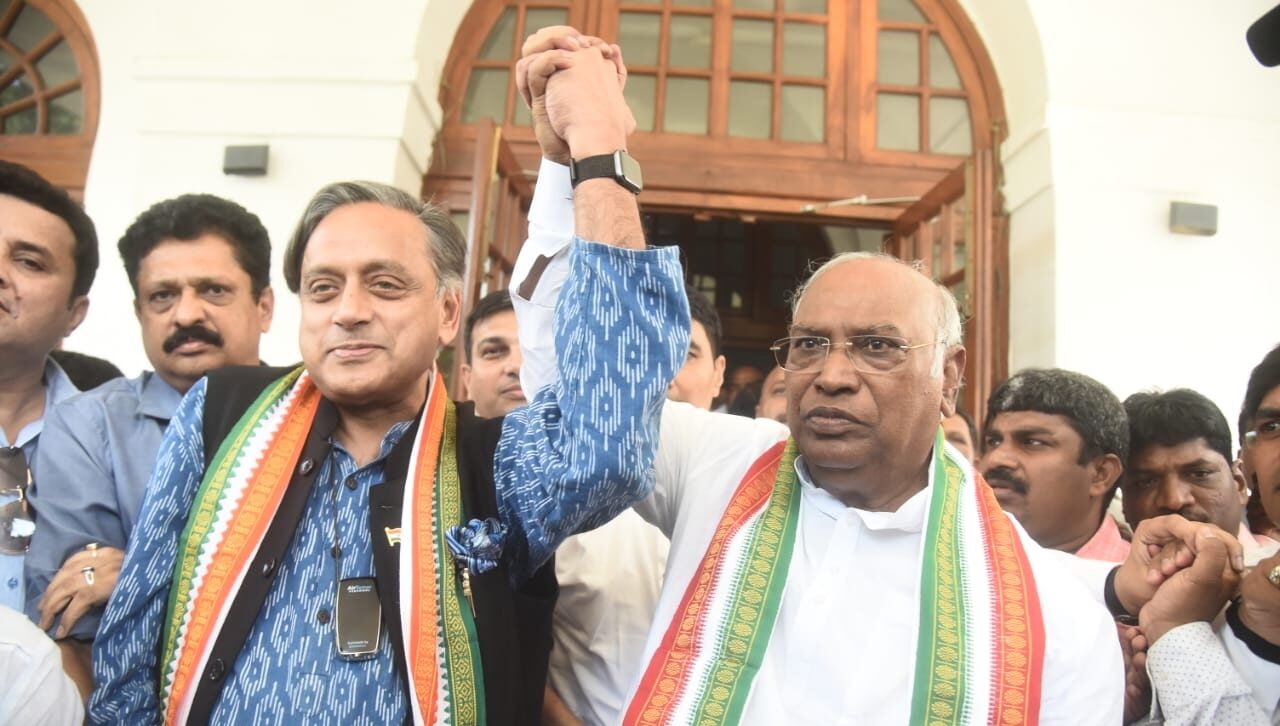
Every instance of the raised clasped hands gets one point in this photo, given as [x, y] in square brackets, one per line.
[573, 86]
[1178, 572]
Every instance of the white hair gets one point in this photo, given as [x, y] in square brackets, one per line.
[950, 331]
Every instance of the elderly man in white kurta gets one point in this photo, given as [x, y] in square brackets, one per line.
[858, 570]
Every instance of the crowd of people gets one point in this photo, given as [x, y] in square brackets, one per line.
[592, 537]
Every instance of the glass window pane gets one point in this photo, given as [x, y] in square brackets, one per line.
[17, 89]
[30, 28]
[898, 58]
[686, 106]
[58, 65]
[752, 49]
[804, 50]
[21, 122]
[804, 116]
[690, 3]
[501, 41]
[942, 72]
[638, 34]
[642, 93]
[536, 19]
[750, 109]
[949, 131]
[486, 95]
[805, 6]
[689, 42]
[900, 10]
[961, 291]
[898, 121]
[7, 61]
[520, 115]
[66, 113]
[753, 5]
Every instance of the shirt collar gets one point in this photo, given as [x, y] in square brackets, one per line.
[57, 384]
[57, 388]
[908, 518]
[158, 399]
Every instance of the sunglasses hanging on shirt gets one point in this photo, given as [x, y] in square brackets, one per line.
[16, 522]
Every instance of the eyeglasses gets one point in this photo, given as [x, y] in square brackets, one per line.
[16, 523]
[1265, 431]
[868, 353]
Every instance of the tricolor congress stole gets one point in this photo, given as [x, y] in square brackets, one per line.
[235, 505]
[980, 649]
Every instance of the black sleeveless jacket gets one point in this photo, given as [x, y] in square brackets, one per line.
[514, 626]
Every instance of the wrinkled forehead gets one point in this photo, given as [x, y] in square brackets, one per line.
[869, 296]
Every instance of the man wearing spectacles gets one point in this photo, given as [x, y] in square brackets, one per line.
[814, 575]
[1236, 650]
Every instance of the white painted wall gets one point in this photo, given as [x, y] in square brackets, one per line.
[1151, 102]
[337, 89]
[1115, 109]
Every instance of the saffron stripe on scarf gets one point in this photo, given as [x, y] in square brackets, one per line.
[671, 665]
[242, 493]
[974, 577]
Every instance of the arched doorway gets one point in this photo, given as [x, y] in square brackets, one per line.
[49, 91]
[754, 116]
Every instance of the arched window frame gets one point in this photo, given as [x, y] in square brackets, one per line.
[61, 158]
[750, 175]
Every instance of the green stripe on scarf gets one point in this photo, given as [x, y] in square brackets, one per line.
[941, 661]
[462, 644]
[754, 610]
[204, 510]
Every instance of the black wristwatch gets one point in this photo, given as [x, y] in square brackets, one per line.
[618, 166]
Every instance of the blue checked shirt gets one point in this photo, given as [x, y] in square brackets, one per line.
[578, 454]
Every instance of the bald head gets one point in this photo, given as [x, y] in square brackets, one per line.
[949, 330]
[866, 432]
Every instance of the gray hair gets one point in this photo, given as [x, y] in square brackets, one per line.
[950, 331]
[448, 247]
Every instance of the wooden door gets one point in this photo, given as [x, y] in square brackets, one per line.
[496, 195]
[959, 232]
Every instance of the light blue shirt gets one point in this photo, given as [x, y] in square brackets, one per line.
[578, 454]
[97, 454]
[57, 387]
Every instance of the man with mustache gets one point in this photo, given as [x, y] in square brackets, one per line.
[1054, 445]
[1180, 463]
[200, 270]
[821, 576]
[340, 543]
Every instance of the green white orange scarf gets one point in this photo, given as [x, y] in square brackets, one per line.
[980, 647]
[237, 500]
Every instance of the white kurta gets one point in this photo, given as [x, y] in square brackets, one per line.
[610, 579]
[843, 648]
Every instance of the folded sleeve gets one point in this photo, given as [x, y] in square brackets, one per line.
[583, 449]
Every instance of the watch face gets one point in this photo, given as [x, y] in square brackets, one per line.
[631, 176]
